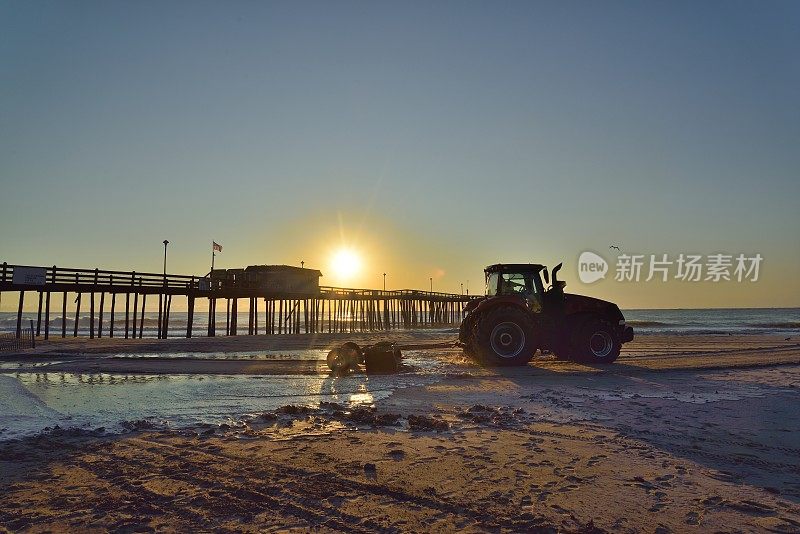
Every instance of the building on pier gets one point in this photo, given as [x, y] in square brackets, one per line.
[279, 279]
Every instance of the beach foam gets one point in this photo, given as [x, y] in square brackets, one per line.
[22, 411]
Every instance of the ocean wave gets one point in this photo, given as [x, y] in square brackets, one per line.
[648, 323]
[148, 321]
[790, 325]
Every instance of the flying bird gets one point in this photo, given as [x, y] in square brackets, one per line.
[614, 246]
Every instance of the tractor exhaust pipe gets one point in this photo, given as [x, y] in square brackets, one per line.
[555, 273]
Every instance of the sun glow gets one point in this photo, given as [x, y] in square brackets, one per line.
[345, 264]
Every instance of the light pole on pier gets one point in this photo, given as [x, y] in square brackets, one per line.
[165, 256]
[384, 281]
[431, 284]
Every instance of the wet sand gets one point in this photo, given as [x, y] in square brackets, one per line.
[241, 355]
[681, 434]
[197, 355]
[84, 345]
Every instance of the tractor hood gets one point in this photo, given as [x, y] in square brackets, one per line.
[581, 303]
[572, 304]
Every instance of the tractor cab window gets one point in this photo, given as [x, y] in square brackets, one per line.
[491, 284]
[516, 283]
[510, 284]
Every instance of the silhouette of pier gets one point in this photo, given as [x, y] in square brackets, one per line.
[117, 302]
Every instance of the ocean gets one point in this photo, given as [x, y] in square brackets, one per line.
[778, 321]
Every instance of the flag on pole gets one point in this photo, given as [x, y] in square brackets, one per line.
[216, 246]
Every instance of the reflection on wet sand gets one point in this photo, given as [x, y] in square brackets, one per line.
[90, 400]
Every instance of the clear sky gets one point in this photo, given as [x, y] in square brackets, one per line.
[431, 138]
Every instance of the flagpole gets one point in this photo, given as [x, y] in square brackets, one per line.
[212, 256]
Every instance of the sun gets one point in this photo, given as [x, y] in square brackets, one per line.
[346, 263]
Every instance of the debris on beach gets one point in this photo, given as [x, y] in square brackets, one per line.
[424, 423]
[139, 424]
[498, 417]
[294, 409]
[370, 416]
[383, 357]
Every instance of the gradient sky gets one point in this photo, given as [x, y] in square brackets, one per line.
[434, 138]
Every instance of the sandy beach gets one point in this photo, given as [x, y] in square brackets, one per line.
[683, 433]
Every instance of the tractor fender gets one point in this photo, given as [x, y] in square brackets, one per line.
[575, 323]
[477, 308]
[565, 332]
[506, 300]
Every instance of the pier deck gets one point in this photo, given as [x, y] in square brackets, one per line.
[324, 309]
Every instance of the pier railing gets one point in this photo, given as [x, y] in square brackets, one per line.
[93, 280]
[90, 278]
[321, 309]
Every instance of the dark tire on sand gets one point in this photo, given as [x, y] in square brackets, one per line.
[465, 330]
[382, 357]
[505, 336]
[345, 358]
[595, 343]
[466, 335]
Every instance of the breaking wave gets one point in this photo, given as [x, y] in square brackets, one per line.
[645, 324]
[781, 326]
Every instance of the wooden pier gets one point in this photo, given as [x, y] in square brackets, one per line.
[117, 303]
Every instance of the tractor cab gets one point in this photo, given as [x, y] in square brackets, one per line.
[527, 280]
[513, 279]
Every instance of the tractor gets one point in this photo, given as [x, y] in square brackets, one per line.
[522, 312]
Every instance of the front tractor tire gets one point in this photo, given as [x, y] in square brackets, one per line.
[504, 336]
[595, 342]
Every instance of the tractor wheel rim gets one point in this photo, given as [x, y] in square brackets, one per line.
[507, 339]
[601, 344]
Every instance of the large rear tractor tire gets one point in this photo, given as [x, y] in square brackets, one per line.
[465, 330]
[466, 334]
[595, 342]
[505, 336]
